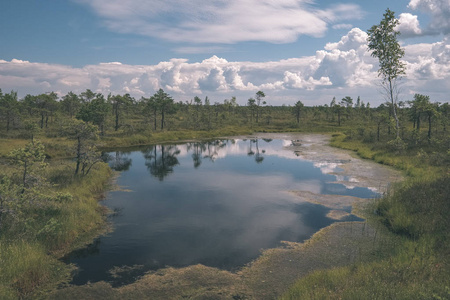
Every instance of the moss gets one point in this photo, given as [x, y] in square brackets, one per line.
[193, 282]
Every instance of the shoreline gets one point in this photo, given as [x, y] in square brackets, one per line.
[276, 269]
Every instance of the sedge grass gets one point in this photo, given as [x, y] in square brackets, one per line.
[30, 248]
[25, 267]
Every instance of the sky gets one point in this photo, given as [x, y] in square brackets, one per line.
[291, 50]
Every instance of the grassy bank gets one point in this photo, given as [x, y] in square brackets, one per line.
[416, 211]
[39, 226]
[416, 162]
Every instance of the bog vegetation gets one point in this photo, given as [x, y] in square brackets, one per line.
[52, 176]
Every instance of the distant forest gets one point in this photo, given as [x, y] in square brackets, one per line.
[421, 120]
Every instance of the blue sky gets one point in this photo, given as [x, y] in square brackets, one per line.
[291, 49]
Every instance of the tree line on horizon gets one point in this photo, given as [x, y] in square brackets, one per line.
[161, 112]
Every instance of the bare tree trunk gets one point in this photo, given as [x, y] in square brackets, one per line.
[7, 123]
[429, 128]
[117, 119]
[389, 122]
[394, 109]
[24, 177]
[378, 132]
[78, 155]
[418, 122]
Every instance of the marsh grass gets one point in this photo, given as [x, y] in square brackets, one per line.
[416, 211]
[391, 279]
[7, 145]
[26, 269]
[413, 162]
[81, 216]
[35, 237]
[54, 147]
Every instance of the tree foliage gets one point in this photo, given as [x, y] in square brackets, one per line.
[30, 159]
[161, 102]
[384, 45]
[85, 151]
[46, 105]
[119, 105]
[95, 111]
[259, 101]
[297, 109]
[71, 104]
[8, 108]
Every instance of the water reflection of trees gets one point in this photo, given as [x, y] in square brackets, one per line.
[197, 149]
[259, 153]
[160, 160]
[258, 156]
[119, 161]
[250, 151]
[205, 150]
[211, 149]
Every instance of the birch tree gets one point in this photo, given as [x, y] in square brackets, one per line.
[384, 45]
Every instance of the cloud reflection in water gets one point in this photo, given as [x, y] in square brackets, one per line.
[210, 203]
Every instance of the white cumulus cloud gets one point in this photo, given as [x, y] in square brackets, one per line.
[409, 25]
[340, 69]
[439, 11]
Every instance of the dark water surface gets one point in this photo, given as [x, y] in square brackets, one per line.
[216, 203]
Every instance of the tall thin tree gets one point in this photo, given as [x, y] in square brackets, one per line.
[384, 45]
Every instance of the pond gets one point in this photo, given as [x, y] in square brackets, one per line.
[215, 203]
